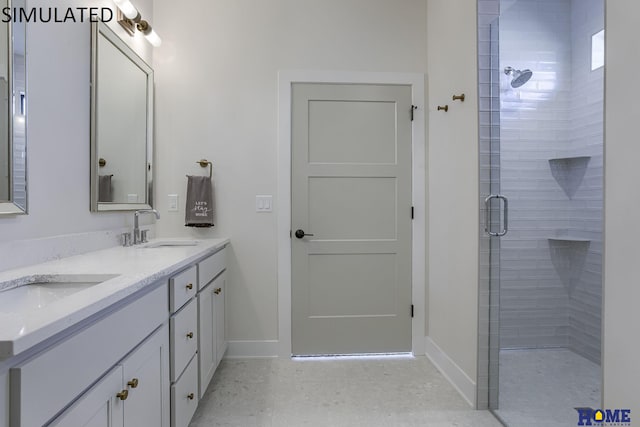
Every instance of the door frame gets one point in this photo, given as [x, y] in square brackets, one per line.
[286, 78]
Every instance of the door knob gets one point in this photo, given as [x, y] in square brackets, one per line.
[300, 234]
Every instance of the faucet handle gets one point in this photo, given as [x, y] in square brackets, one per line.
[125, 238]
[143, 236]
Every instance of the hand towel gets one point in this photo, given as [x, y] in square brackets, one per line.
[199, 211]
[105, 193]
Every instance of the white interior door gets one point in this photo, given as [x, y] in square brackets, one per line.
[351, 195]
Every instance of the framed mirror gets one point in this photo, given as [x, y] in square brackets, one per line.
[13, 115]
[121, 124]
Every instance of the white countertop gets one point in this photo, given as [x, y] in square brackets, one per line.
[136, 267]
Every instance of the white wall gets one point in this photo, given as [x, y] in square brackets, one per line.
[453, 183]
[58, 65]
[216, 75]
[622, 210]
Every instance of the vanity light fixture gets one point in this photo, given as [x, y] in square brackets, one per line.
[129, 18]
[128, 9]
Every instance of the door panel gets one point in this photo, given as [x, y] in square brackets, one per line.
[351, 276]
[333, 123]
[346, 208]
[351, 191]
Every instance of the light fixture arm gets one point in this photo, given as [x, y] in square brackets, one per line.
[143, 26]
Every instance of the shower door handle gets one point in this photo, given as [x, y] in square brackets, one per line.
[505, 215]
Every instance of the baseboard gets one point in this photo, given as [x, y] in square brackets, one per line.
[451, 371]
[252, 349]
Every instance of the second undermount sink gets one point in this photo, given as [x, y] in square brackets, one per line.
[32, 293]
[170, 243]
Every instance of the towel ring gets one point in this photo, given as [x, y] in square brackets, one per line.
[204, 163]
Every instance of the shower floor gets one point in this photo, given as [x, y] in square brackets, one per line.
[542, 387]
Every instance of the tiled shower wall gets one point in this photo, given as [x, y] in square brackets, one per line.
[534, 126]
[557, 114]
[585, 215]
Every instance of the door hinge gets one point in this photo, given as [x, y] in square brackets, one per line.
[413, 108]
[412, 212]
[412, 311]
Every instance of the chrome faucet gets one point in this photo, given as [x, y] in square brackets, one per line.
[136, 227]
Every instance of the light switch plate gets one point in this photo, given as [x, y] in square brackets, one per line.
[173, 202]
[264, 203]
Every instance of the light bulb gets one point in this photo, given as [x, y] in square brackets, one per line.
[153, 38]
[128, 9]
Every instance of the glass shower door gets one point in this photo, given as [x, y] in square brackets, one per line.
[541, 197]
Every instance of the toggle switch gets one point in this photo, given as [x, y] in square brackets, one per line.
[173, 202]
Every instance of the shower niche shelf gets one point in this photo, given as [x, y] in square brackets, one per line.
[569, 172]
[568, 256]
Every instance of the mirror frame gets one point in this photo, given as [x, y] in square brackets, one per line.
[99, 29]
[10, 207]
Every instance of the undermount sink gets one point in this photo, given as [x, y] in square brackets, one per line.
[170, 243]
[33, 293]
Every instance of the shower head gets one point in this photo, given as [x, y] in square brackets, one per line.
[519, 77]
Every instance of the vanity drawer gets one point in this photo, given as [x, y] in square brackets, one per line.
[183, 338]
[210, 267]
[182, 287]
[184, 396]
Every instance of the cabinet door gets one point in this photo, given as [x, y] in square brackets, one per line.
[4, 400]
[206, 336]
[218, 310]
[146, 378]
[99, 407]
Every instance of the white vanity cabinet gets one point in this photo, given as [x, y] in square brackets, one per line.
[98, 407]
[4, 400]
[141, 360]
[212, 342]
[132, 394]
[146, 381]
[45, 384]
[184, 345]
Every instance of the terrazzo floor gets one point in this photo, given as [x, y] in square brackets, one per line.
[542, 387]
[371, 392]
